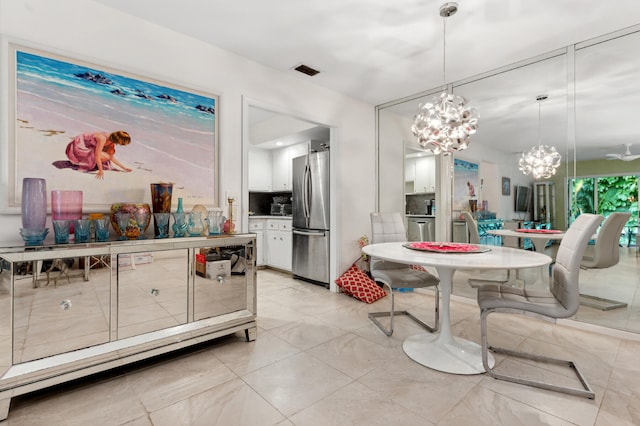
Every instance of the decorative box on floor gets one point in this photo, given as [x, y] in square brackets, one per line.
[218, 269]
[50, 334]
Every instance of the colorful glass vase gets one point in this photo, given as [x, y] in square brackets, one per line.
[160, 201]
[132, 230]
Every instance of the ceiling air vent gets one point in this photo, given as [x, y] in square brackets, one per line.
[304, 69]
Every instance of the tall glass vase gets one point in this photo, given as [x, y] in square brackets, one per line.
[66, 205]
[34, 203]
[160, 201]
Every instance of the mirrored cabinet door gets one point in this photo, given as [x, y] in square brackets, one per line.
[221, 285]
[152, 291]
[59, 306]
[6, 275]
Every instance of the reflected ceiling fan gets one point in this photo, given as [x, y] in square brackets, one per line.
[627, 156]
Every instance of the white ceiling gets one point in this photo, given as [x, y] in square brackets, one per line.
[381, 50]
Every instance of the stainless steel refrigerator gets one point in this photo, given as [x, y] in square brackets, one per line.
[310, 211]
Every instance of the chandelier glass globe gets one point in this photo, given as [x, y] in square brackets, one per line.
[541, 162]
[445, 123]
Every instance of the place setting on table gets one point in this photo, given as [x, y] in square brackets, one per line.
[459, 248]
[442, 351]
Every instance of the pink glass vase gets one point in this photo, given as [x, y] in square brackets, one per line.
[66, 205]
[34, 203]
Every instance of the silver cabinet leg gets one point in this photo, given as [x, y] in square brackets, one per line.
[251, 334]
[4, 408]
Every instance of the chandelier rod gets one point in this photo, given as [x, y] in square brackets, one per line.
[446, 10]
[540, 99]
[444, 53]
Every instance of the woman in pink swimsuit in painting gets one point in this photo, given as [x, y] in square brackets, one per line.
[96, 151]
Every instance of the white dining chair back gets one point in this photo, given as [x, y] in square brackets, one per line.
[386, 228]
[560, 301]
[606, 251]
[472, 225]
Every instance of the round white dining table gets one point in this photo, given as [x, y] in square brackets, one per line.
[539, 240]
[442, 351]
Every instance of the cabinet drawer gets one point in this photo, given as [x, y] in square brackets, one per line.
[256, 225]
[284, 225]
[279, 224]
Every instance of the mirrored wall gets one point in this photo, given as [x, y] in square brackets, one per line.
[589, 114]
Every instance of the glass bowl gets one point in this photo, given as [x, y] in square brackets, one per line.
[33, 236]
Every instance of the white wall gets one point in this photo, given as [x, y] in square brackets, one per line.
[85, 30]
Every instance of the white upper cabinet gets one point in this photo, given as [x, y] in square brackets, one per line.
[425, 174]
[281, 165]
[259, 170]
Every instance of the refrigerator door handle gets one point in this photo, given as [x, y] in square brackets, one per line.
[311, 234]
[307, 191]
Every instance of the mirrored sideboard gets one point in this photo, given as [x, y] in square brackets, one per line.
[67, 311]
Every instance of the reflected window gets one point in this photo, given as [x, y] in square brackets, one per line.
[605, 195]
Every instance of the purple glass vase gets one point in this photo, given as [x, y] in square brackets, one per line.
[34, 203]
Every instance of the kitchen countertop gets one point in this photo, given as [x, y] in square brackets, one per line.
[421, 215]
[269, 217]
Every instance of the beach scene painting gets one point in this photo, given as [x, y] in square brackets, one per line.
[465, 184]
[70, 115]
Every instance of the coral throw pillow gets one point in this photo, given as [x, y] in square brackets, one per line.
[356, 283]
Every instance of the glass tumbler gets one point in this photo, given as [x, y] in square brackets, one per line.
[162, 221]
[61, 230]
[81, 230]
[101, 226]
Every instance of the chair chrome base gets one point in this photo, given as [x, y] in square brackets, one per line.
[600, 303]
[373, 316]
[586, 391]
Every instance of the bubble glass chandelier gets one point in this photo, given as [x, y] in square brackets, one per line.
[445, 123]
[540, 161]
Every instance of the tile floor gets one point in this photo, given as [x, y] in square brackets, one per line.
[318, 360]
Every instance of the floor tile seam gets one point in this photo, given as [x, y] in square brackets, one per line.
[377, 330]
[304, 349]
[471, 392]
[385, 398]
[287, 417]
[308, 351]
[298, 351]
[388, 398]
[210, 388]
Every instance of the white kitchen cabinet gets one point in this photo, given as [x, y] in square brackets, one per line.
[279, 243]
[257, 226]
[409, 169]
[425, 174]
[260, 174]
[282, 176]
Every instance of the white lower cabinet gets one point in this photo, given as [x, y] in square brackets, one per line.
[257, 226]
[279, 243]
